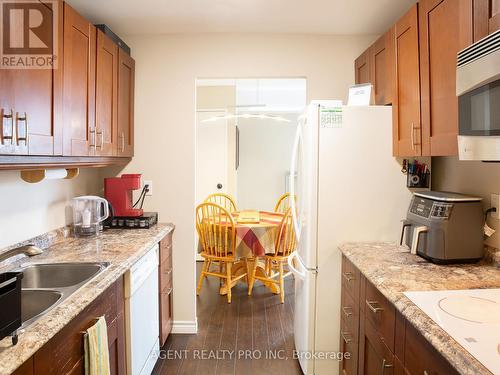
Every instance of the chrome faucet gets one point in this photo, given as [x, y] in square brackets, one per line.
[28, 250]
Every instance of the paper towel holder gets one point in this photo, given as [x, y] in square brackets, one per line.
[38, 175]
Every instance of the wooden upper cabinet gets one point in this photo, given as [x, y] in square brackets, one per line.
[382, 68]
[79, 134]
[406, 101]
[486, 17]
[126, 87]
[106, 95]
[441, 38]
[362, 68]
[30, 101]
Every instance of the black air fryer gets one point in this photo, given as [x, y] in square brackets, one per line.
[10, 300]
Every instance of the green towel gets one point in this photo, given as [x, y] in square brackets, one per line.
[96, 349]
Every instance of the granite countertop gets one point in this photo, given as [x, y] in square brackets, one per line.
[393, 270]
[120, 247]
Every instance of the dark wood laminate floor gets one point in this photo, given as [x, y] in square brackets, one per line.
[232, 336]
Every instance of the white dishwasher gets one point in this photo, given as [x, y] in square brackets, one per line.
[142, 314]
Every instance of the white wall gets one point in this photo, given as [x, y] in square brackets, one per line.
[167, 67]
[469, 177]
[265, 153]
[28, 210]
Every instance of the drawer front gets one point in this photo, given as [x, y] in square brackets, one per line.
[165, 251]
[165, 279]
[349, 311]
[381, 314]
[350, 278]
[421, 357]
[348, 344]
[165, 315]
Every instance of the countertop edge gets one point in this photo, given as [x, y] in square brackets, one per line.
[418, 318]
[73, 306]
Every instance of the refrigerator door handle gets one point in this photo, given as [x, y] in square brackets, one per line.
[296, 272]
[293, 205]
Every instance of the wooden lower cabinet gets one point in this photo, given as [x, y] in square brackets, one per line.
[375, 358]
[64, 353]
[379, 339]
[166, 288]
[421, 357]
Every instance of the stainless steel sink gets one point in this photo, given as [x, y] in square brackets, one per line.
[59, 275]
[35, 302]
[46, 285]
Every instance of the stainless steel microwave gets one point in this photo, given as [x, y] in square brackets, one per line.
[478, 91]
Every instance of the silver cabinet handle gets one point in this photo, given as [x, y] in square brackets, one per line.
[26, 128]
[373, 305]
[348, 276]
[122, 136]
[412, 129]
[9, 115]
[346, 337]
[92, 138]
[347, 311]
[100, 133]
[385, 366]
[2, 116]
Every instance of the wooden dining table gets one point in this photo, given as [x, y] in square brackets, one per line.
[254, 239]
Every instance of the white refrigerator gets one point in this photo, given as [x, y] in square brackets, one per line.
[349, 187]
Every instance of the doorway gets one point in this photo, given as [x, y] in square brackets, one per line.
[244, 134]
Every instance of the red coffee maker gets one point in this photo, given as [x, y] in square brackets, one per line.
[118, 192]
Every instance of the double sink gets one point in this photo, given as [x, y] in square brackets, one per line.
[44, 286]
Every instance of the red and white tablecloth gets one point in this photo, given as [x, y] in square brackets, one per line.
[255, 239]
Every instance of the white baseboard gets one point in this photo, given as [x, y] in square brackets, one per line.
[185, 326]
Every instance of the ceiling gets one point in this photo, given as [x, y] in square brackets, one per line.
[347, 17]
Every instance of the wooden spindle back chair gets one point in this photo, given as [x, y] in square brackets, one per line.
[283, 203]
[285, 245]
[222, 199]
[217, 234]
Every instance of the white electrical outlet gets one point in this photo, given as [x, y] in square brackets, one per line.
[150, 187]
[495, 202]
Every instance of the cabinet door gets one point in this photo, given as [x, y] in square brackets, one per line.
[8, 144]
[421, 357]
[375, 357]
[406, 102]
[106, 95]
[382, 67]
[362, 68]
[348, 344]
[486, 17]
[30, 100]
[126, 83]
[64, 353]
[440, 40]
[165, 315]
[79, 85]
